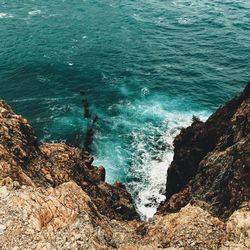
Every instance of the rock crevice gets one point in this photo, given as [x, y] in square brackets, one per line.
[211, 164]
[50, 165]
[52, 197]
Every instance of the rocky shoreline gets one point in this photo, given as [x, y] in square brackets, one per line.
[52, 197]
[211, 166]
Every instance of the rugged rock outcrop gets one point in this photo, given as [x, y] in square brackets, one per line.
[65, 217]
[211, 166]
[51, 197]
[50, 165]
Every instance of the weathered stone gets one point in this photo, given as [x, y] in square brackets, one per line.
[50, 165]
[211, 163]
[51, 197]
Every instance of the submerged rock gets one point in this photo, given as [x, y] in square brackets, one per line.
[51, 197]
[50, 165]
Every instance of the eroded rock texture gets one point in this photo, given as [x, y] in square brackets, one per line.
[50, 165]
[51, 197]
[65, 217]
[211, 166]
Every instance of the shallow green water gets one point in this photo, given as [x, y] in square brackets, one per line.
[146, 66]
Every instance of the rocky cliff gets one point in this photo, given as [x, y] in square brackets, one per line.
[211, 166]
[51, 196]
[50, 165]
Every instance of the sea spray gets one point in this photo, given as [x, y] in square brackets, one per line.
[151, 158]
[145, 129]
[147, 67]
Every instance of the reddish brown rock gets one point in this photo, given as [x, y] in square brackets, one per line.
[51, 165]
[211, 166]
[51, 197]
[17, 136]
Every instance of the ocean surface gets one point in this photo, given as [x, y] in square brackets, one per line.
[146, 66]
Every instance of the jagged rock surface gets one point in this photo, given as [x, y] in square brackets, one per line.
[211, 166]
[51, 197]
[66, 218]
[50, 165]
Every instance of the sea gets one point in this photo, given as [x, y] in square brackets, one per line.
[146, 68]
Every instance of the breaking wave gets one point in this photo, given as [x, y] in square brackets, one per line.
[142, 148]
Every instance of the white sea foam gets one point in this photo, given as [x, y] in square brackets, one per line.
[144, 92]
[35, 12]
[46, 99]
[141, 146]
[184, 20]
[5, 15]
[153, 154]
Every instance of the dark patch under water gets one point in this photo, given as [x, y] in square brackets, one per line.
[146, 66]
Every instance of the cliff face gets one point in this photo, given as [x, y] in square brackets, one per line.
[211, 166]
[51, 197]
[50, 165]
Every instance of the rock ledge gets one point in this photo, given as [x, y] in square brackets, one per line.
[51, 197]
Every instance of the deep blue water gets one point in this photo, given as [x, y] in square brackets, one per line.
[147, 67]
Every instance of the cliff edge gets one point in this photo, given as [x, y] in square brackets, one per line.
[211, 166]
[52, 197]
[50, 165]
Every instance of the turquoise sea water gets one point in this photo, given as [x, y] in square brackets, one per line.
[147, 67]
